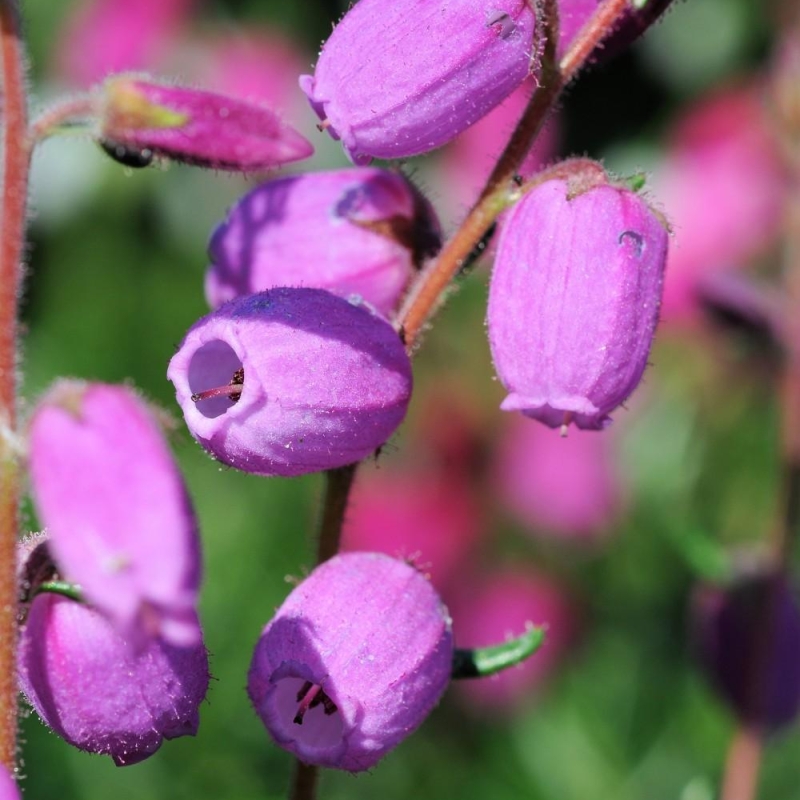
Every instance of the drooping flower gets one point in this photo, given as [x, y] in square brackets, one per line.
[574, 299]
[747, 638]
[198, 127]
[353, 232]
[119, 519]
[291, 381]
[86, 683]
[353, 661]
[401, 77]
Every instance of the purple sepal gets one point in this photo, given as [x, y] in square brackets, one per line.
[291, 381]
[354, 232]
[196, 127]
[573, 301]
[401, 77]
[353, 661]
[86, 683]
[116, 509]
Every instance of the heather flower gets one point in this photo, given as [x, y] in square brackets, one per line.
[747, 638]
[401, 77]
[86, 683]
[8, 786]
[499, 605]
[353, 661]
[194, 126]
[291, 381]
[432, 520]
[371, 228]
[116, 509]
[573, 301]
[566, 487]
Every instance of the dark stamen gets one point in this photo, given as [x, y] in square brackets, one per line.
[233, 390]
[310, 696]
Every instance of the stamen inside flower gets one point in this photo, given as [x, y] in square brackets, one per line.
[305, 713]
[310, 696]
[216, 378]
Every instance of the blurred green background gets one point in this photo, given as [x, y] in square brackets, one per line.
[116, 263]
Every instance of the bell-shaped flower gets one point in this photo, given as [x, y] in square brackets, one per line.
[145, 118]
[401, 77]
[87, 684]
[574, 299]
[352, 662]
[291, 381]
[354, 232]
[116, 509]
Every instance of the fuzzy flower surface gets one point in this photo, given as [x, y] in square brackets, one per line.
[116, 509]
[195, 126]
[401, 77]
[573, 301]
[291, 381]
[353, 661]
[371, 228]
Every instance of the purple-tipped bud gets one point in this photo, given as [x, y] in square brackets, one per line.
[354, 231]
[86, 683]
[116, 509]
[748, 641]
[194, 126]
[291, 381]
[402, 77]
[8, 786]
[573, 301]
[353, 662]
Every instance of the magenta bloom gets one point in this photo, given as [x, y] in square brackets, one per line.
[497, 606]
[84, 681]
[8, 786]
[402, 77]
[755, 625]
[434, 522]
[116, 509]
[573, 301]
[354, 232]
[195, 126]
[353, 661]
[291, 381]
[565, 487]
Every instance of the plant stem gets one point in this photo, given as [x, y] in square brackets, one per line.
[426, 296]
[77, 110]
[742, 765]
[337, 491]
[13, 203]
[304, 782]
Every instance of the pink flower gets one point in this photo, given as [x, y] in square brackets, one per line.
[195, 126]
[402, 77]
[433, 522]
[8, 786]
[721, 188]
[352, 662]
[499, 605]
[555, 485]
[116, 509]
[370, 229]
[573, 301]
[291, 381]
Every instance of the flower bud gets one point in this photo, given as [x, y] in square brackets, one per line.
[8, 786]
[573, 301]
[353, 661]
[291, 381]
[748, 641]
[354, 231]
[194, 126]
[119, 519]
[402, 77]
[84, 681]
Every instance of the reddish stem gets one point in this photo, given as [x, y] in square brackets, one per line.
[742, 766]
[427, 295]
[68, 112]
[13, 202]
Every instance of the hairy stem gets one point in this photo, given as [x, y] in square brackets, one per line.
[13, 202]
[427, 295]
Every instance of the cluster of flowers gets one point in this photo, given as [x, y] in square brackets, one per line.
[301, 367]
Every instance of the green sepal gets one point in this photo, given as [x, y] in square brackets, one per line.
[482, 661]
[71, 590]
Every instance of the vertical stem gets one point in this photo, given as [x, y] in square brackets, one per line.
[304, 782]
[742, 766]
[337, 491]
[13, 206]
